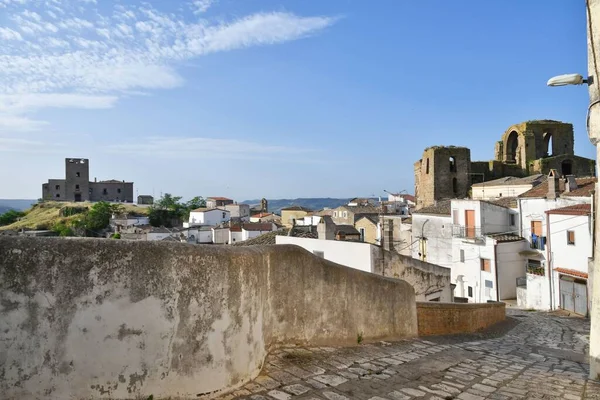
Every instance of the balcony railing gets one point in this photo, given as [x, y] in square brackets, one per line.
[536, 269]
[467, 232]
[538, 242]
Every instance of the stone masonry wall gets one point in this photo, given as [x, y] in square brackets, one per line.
[92, 318]
[454, 318]
[430, 281]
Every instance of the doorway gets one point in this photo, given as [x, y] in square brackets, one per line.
[470, 223]
[573, 295]
[77, 196]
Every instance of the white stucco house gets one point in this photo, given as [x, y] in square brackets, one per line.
[570, 248]
[508, 186]
[432, 234]
[485, 247]
[536, 290]
[207, 216]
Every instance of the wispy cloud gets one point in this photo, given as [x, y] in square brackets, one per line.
[201, 6]
[84, 56]
[211, 148]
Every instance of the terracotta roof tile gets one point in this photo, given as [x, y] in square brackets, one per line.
[572, 272]
[442, 207]
[577, 209]
[585, 186]
[257, 227]
[219, 198]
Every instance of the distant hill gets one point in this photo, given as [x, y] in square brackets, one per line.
[318, 203]
[15, 204]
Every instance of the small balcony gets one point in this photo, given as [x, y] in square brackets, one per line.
[466, 232]
[535, 269]
[537, 242]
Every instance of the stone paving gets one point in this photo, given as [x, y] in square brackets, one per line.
[542, 357]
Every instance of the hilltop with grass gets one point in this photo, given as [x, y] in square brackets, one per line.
[51, 214]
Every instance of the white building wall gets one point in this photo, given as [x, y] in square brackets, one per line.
[437, 248]
[220, 235]
[241, 211]
[538, 292]
[235, 237]
[468, 273]
[496, 192]
[351, 254]
[211, 218]
[489, 218]
[565, 255]
[204, 237]
[511, 266]
[535, 210]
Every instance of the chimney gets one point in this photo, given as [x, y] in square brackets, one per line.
[570, 183]
[553, 182]
[95, 179]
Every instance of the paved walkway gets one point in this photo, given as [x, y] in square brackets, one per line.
[542, 357]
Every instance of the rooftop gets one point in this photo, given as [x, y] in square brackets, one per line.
[346, 229]
[585, 187]
[373, 218]
[513, 181]
[219, 198]
[506, 237]
[205, 209]
[441, 207]
[506, 202]
[257, 227]
[296, 208]
[362, 209]
[577, 209]
[269, 238]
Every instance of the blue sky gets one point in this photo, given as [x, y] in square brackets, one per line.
[288, 98]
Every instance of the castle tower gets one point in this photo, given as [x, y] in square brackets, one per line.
[442, 173]
[77, 179]
[264, 205]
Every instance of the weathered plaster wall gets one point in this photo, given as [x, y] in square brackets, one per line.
[430, 281]
[453, 318]
[97, 318]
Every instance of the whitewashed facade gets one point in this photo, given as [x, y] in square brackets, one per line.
[210, 217]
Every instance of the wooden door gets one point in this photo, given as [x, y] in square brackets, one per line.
[470, 223]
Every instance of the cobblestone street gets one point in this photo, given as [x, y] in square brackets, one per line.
[542, 357]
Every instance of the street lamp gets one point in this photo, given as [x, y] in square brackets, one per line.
[567, 79]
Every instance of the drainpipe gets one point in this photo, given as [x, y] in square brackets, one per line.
[496, 267]
[549, 259]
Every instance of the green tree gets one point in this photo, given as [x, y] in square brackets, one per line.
[115, 236]
[194, 203]
[63, 229]
[10, 217]
[97, 218]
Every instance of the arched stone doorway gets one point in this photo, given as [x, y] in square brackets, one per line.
[512, 143]
[547, 144]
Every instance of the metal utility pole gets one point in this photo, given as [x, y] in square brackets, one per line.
[593, 128]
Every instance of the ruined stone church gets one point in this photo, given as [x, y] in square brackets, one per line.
[527, 148]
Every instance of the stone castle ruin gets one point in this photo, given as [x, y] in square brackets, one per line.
[527, 148]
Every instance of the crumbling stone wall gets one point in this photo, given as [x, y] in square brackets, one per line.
[92, 318]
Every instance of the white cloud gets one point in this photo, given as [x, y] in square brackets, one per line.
[14, 123]
[201, 6]
[9, 34]
[96, 55]
[194, 147]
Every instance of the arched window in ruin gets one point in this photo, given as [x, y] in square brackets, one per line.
[566, 167]
[455, 186]
[427, 165]
[512, 142]
[547, 144]
[452, 164]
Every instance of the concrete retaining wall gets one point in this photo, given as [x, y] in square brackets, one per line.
[452, 318]
[107, 318]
